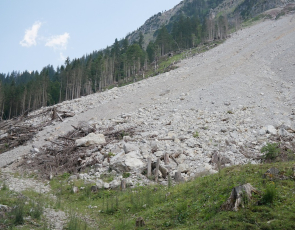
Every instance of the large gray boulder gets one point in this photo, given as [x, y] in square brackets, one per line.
[130, 162]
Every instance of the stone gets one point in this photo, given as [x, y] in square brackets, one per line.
[183, 168]
[94, 188]
[115, 184]
[3, 208]
[262, 131]
[118, 156]
[91, 139]
[134, 164]
[75, 189]
[106, 185]
[130, 147]
[73, 177]
[282, 132]
[99, 184]
[127, 138]
[271, 130]
[134, 154]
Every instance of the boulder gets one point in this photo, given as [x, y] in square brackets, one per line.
[115, 184]
[106, 185]
[130, 147]
[99, 184]
[134, 164]
[282, 132]
[183, 168]
[91, 139]
[271, 130]
[127, 162]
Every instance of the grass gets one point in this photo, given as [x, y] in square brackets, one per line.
[24, 211]
[195, 204]
[191, 205]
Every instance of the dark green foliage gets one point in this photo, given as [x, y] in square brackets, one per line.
[126, 174]
[271, 151]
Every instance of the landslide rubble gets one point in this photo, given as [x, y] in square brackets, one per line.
[217, 109]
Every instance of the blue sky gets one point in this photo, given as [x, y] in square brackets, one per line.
[36, 33]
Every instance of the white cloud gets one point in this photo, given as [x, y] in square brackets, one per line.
[31, 35]
[58, 42]
[62, 58]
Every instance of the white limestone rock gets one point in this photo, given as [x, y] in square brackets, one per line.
[91, 139]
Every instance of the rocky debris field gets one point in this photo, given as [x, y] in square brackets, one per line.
[217, 109]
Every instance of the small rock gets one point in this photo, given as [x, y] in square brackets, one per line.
[75, 189]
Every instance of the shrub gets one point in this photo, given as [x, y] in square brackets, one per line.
[126, 175]
[269, 194]
[271, 151]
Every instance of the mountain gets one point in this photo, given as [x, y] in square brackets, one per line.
[190, 25]
[202, 8]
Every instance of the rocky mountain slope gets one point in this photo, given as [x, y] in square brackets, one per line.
[232, 8]
[223, 104]
[216, 109]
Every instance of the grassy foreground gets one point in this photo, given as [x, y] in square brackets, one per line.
[192, 205]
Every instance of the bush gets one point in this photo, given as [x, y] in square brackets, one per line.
[126, 174]
[271, 151]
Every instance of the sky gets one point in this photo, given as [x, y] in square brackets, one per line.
[37, 33]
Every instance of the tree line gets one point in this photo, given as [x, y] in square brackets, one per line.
[120, 63]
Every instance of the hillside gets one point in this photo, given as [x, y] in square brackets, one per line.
[188, 29]
[243, 9]
[217, 109]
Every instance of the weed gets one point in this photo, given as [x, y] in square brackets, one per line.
[269, 194]
[4, 186]
[18, 211]
[196, 134]
[36, 209]
[75, 223]
[230, 112]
